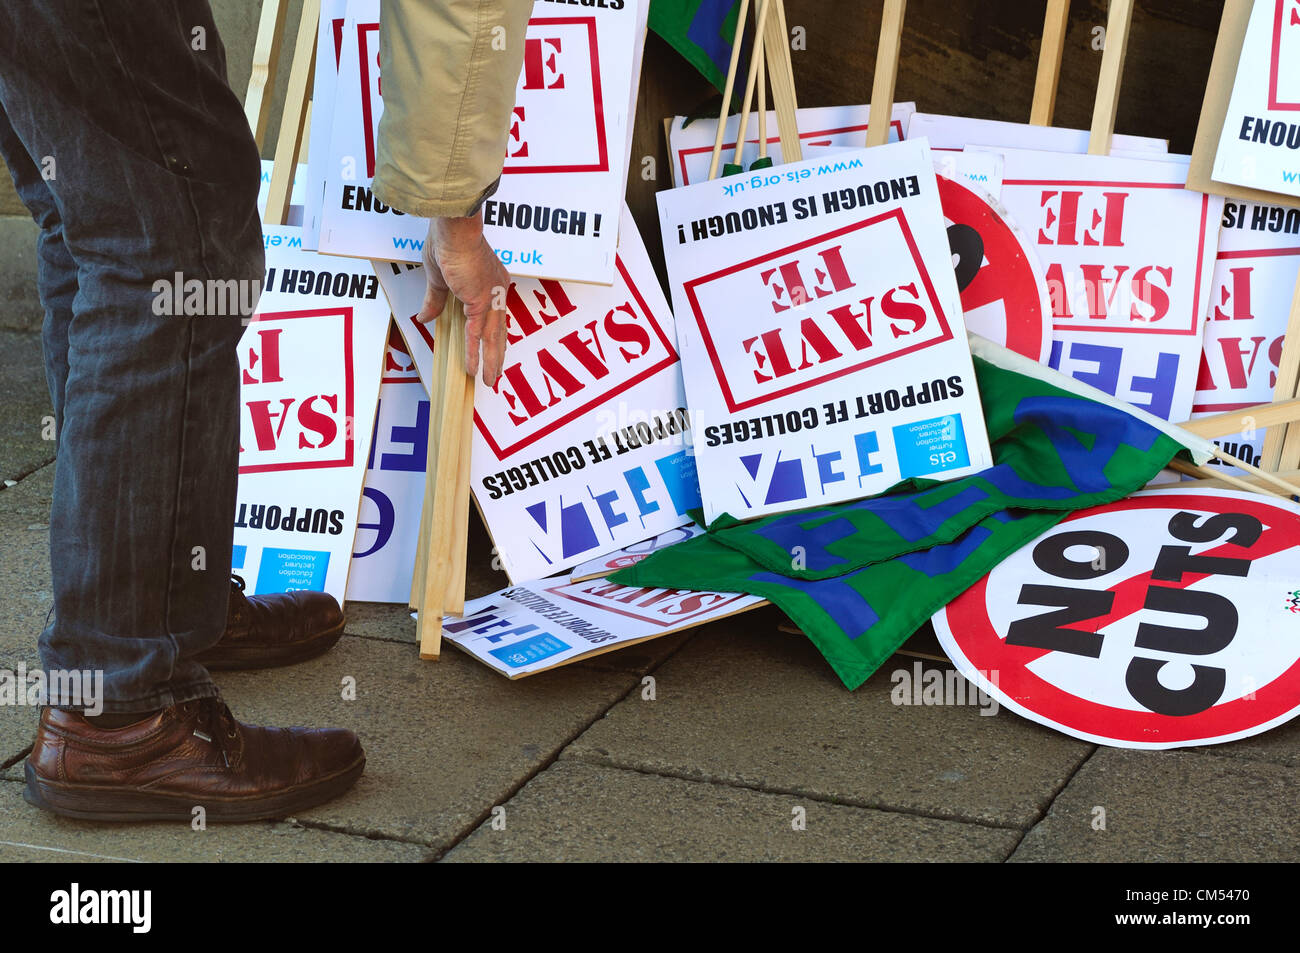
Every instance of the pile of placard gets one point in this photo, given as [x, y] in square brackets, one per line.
[816, 353]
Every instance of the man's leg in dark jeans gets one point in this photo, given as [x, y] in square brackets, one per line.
[134, 156]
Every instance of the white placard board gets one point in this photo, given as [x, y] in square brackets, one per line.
[822, 130]
[1250, 300]
[821, 332]
[633, 554]
[556, 212]
[958, 132]
[584, 445]
[309, 364]
[1128, 254]
[297, 191]
[383, 556]
[1160, 621]
[528, 628]
[1260, 143]
[329, 48]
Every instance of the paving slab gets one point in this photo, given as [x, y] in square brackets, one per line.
[445, 741]
[1170, 807]
[1280, 745]
[31, 835]
[28, 414]
[575, 811]
[762, 709]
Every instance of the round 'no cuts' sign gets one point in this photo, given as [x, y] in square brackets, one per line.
[1170, 618]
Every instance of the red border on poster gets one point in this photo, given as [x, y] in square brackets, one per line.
[349, 436]
[732, 404]
[987, 651]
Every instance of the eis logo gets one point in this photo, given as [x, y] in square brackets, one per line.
[296, 391]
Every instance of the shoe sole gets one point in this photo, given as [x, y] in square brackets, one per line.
[243, 657]
[101, 803]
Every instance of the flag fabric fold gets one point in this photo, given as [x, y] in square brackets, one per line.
[701, 31]
[860, 577]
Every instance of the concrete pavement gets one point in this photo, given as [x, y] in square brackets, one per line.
[733, 741]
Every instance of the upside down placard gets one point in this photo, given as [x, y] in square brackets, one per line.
[821, 333]
[584, 445]
[1254, 281]
[556, 212]
[1260, 143]
[1128, 254]
[309, 365]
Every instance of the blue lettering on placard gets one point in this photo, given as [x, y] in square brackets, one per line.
[677, 470]
[387, 520]
[845, 605]
[517, 630]
[1108, 360]
[576, 532]
[787, 482]
[866, 444]
[825, 461]
[605, 503]
[529, 651]
[480, 621]
[237, 557]
[417, 437]
[284, 570]
[638, 483]
[1160, 387]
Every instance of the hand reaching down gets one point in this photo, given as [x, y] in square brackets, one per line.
[458, 260]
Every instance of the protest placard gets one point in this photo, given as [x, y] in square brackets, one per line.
[1254, 280]
[556, 212]
[310, 364]
[1152, 622]
[958, 132]
[822, 130]
[632, 554]
[1259, 146]
[529, 628]
[1003, 292]
[329, 48]
[1128, 254]
[297, 193]
[383, 556]
[821, 333]
[584, 445]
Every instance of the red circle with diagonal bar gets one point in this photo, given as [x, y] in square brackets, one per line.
[1007, 300]
[977, 644]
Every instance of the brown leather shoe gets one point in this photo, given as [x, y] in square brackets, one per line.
[275, 629]
[191, 755]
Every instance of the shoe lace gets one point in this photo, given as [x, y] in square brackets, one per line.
[214, 723]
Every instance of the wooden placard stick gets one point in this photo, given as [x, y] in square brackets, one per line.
[760, 50]
[1217, 482]
[1287, 388]
[459, 542]
[1055, 23]
[1191, 469]
[882, 86]
[750, 78]
[1118, 19]
[293, 121]
[443, 516]
[441, 345]
[1244, 420]
[1272, 479]
[780, 73]
[737, 42]
[266, 60]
